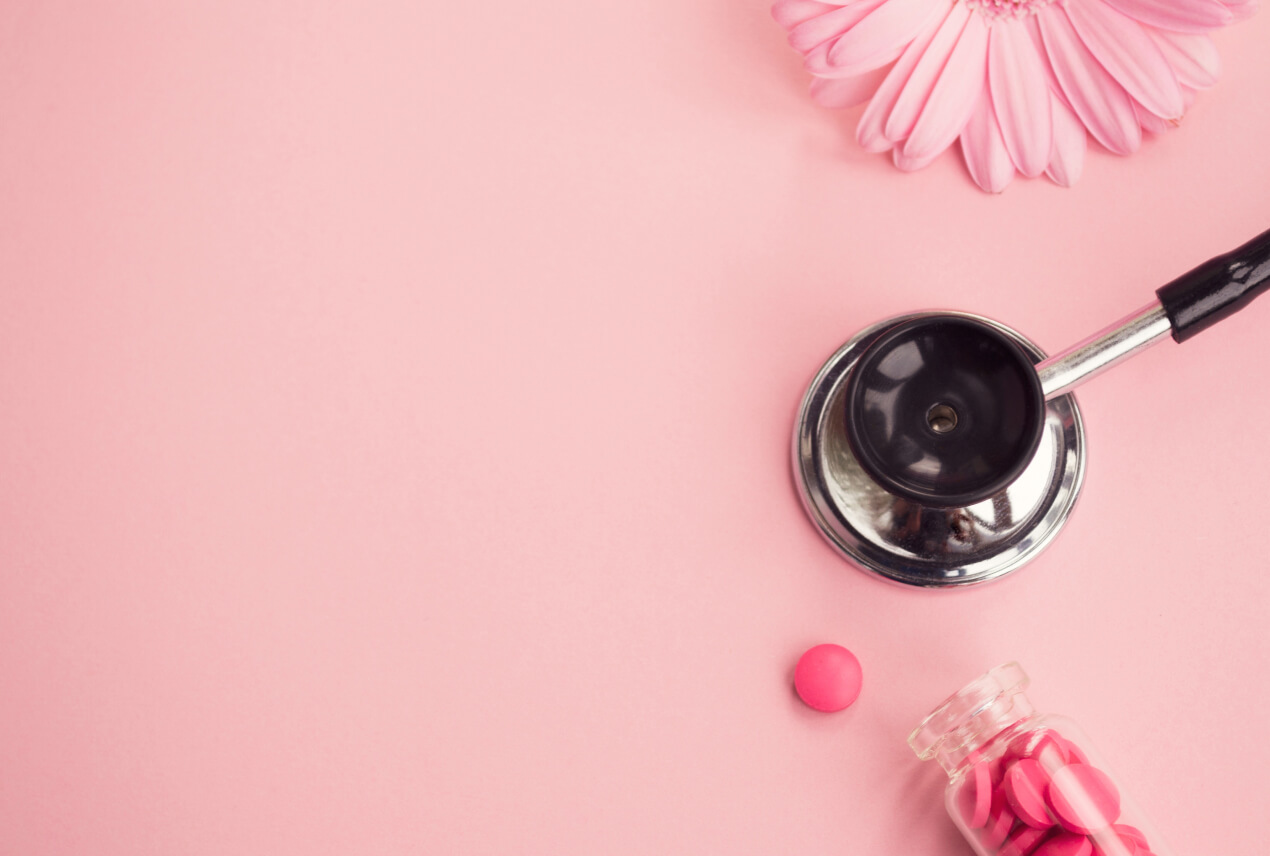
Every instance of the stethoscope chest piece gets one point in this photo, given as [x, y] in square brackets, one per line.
[943, 449]
[925, 451]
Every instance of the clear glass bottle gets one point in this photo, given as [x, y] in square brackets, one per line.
[1023, 783]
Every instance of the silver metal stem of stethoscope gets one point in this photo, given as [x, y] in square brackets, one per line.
[1112, 345]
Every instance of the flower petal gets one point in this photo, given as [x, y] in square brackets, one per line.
[790, 13]
[1068, 157]
[1241, 9]
[1150, 122]
[822, 28]
[1193, 56]
[817, 59]
[1032, 23]
[984, 149]
[952, 100]
[1094, 95]
[918, 86]
[847, 91]
[1125, 50]
[1183, 16]
[908, 164]
[869, 132]
[1020, 97]
[892, 25]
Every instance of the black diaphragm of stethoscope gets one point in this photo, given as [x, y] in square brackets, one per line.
[943, 448]
[943, 410]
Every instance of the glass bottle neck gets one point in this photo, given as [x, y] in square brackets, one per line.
[968, 741]
[960, 728]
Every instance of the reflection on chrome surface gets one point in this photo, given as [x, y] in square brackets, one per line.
[921, 545]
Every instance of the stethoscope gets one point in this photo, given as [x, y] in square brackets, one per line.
[944, 448]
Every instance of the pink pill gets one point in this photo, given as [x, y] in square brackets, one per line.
[1071, 752]
[1083, 798]
[1024, 785]
[999, 768]
[1120, 840]
[1132, 833]
[828, 677]
[1023, 841]
[1108, 843]
[974, 800]
[1065, 844]
[996, 766]
[1042, 745]
[1000, 821]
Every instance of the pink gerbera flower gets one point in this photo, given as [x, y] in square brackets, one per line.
[1020, 82]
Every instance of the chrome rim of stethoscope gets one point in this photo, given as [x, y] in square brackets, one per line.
[920, 545]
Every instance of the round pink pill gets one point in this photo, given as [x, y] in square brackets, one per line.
[1041, 745]
[1120, 840]
[1108, 843]
[1065, 844]
[1000, 821]
[1072, 753]
[1132, 833]
[1083, 798]
[1023, 841]
[1024, 785]
[974, 800]
[828, 677]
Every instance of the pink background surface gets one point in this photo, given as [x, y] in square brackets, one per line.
[394, 402]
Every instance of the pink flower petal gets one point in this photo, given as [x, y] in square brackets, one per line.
[1242, 10]
[1094, 95]
[1068, 157]
[790, 13]
[909, 104]
[847, 91]
[908, 164]
[1020, 97]
[984, 149]
[1022, 93]
[890, 26]
[817, 61]
[869, 132]
[1125, 50]
[1193, 56]
[1184, 16]
[953, 98]
[1150, 122]
[1032, 23]
[819, 30]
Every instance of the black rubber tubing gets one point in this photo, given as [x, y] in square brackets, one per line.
[1218, 288]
